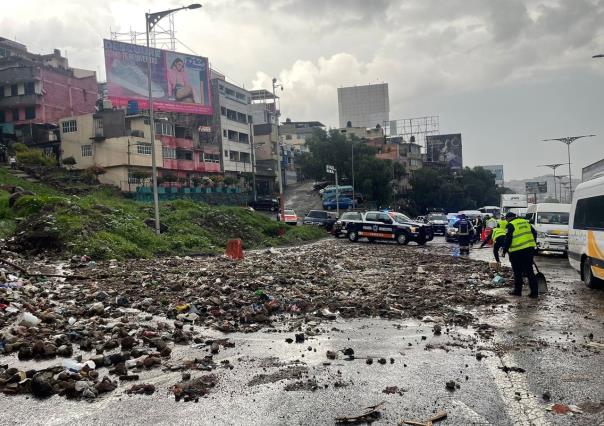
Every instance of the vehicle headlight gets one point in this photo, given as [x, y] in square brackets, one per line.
[413, 229]
[541, 235]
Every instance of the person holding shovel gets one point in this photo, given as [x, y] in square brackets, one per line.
[520, 242]
[498, 236]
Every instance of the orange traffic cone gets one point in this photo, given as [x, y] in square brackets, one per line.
[234, 249]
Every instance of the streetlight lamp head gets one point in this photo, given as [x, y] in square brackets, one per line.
[274, 80]
[598, 56]
[194, 6]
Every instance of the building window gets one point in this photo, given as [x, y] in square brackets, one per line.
[243, 138]
[204, 157]
[244, 157]
[164, 128]
[15, 115]
[226, 153]
[2, 117]
[233, 136]
[234, 156]
[86, 150]
[223, 111]
[184, 155]
[14, 90]
[69, 126]
[224, 133]
[229, 92]
[30, 88]
[169, 152]
[143, 148]
[288, 137]
[30, 112]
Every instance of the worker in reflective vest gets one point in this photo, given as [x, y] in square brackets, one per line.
[498, 237]
[520, 242]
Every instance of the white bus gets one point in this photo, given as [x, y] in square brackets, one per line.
[586, 233]
[551, 223]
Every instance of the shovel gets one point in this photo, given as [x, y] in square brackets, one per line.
[541, 281]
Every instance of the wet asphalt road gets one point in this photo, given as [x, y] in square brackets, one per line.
[548, 338]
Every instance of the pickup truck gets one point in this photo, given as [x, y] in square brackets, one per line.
[320, 218]
[392, 226]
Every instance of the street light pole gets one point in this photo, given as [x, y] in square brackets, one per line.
[352, 162]
[568, 141]
[279, 157]
[151, 19]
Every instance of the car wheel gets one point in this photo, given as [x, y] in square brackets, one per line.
[402, 239]
[371, 240]
[587, 275]
[353, 236]
[421, 241]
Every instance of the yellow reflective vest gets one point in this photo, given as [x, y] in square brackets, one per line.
[522, 237]
[500, 230]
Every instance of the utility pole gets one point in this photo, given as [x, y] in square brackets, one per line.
[568, 141]
[279, 156]
[352, 163]
[253, 159]
[151, 19]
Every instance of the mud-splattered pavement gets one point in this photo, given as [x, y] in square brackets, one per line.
[412, 326]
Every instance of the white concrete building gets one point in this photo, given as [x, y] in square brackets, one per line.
[233, 122]
[364, 106]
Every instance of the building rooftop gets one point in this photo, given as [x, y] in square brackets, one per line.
[262, 95]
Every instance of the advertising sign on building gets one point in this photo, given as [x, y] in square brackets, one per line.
[445, 149]
[179, 82]
[536, 187]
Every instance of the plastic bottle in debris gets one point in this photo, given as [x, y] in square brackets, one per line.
[498, 279]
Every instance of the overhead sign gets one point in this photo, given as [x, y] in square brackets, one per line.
[536, 187]
[445, 149]
[330, 169]
[179, 82]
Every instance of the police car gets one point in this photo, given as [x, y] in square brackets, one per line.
[390, 226]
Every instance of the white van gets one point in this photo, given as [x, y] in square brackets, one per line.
[586, 234]
[550, 220]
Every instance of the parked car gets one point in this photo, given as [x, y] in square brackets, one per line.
[340, 228]
[390, 226]
[265, 203]
[343, 203]
[438, 221]
[317, 186]
[320, 218]
[586, 233]
[289, 216]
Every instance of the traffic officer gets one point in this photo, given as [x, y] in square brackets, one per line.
[464, 234]
[520, 242]
[498, 236]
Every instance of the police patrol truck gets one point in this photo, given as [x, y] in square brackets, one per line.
[391, 226]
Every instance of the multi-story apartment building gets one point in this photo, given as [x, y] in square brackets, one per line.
[296, 133]
[233, 126]
[119, 143]
[408, 154]
[36, 91]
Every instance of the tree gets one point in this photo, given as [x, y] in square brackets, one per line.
[373, 177]
[69, 162]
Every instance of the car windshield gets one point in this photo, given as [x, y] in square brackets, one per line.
[289, 212]
[552, 218]
[437, 217]
[351, 216]
[401, 218]
[317, 214]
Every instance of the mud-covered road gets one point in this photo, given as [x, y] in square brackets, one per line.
[429, 332]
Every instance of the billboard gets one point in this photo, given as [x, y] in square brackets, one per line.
[445, 149]
[536, 187]
[179, 82]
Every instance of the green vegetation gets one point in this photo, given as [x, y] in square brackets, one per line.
[105, 225]
[32, 157]
[466, 189]
[373, 177]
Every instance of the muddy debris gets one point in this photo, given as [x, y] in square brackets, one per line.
[192, 390]
[141, 389]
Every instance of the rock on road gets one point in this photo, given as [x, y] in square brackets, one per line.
[515, 352]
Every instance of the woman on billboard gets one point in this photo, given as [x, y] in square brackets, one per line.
[178, 85]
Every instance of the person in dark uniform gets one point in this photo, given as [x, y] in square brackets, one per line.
[520, 243]
[464, 234]
[498, 236]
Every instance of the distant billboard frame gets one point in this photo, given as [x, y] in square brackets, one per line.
[446, 149]
[179, 82]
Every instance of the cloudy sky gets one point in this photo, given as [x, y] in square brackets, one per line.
[504, 73]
